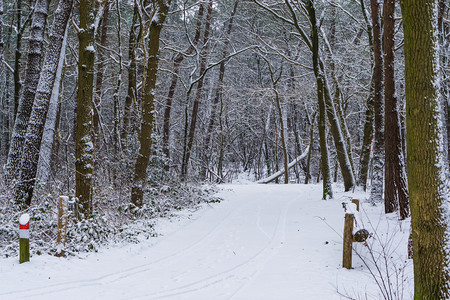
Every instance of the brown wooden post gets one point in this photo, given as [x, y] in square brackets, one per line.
[356, 201]
[62, 225]
[348, 240]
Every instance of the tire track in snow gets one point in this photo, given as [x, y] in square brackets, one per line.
[259, 259]
[116, 276]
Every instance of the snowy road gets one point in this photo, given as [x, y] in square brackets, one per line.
[261, 242]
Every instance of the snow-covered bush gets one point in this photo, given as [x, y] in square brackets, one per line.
[115, 220]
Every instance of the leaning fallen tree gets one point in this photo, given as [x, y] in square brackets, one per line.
[281, 172]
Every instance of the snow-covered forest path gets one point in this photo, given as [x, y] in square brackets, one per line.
[261, 242]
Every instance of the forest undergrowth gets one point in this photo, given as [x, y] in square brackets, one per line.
[115, 220]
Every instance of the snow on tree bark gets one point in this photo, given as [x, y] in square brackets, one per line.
[30, 155]
[44, 165]
[176, 69]
[376, 194]
[325, 164]
[132, 84]
[84, 129]
[18, 56]
[427, 168]
[1, 37]
[32, 73]
[395, 189]
[198, 95]
[369, 115]
[148, 105]
[218, 93]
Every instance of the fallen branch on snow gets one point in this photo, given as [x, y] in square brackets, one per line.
[281, 172]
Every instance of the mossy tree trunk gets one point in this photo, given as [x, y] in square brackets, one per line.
[84, 131]
[148, 104]
[427, 181]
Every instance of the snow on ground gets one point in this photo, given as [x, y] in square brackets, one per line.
[262, 242]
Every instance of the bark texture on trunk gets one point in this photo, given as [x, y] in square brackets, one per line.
[395, 190]
[30, 155]
[18, 57]
[84, 130]
[148, 104]
[325, 164]
[132, 84]
[378, 153]
[427, 181]
[32, 73]
[100, 69]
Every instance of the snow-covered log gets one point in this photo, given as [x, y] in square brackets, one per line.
[281, 172]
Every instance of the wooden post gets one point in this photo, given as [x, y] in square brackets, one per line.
[356, 201]
[24, 236]
[348, 239]
[62, 225]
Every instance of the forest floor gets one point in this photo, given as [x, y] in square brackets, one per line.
[261, 242]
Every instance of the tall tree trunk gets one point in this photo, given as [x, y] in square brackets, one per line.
[318, 72]
[395, 190]
[218, 94]
[378, 154]
[32, 143]
[366, 146]
[176, 69]
[100, 69]
[84, 131]
[18, 57]
[198, 95]
[51, 124]
[132, 84]
[444, 41]
[33, 70]
[116, 121]
[311, 147]
[1, 39]
[148, 105]
[427, 170]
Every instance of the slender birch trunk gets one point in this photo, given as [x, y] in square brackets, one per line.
[378, 154]
[30, 155]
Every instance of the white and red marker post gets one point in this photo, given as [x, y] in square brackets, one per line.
[24, 235]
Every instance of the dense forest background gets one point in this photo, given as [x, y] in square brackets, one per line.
[235, 90]
[132, 104]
